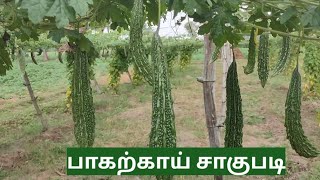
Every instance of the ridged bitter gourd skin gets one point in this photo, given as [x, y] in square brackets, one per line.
[82, 100]
[136, 50]
[299, 142]
[163, 133]
[284, 55]
[251, 53]
[263, 59]
[234, 117]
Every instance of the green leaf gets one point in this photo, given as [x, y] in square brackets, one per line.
[57, 35]
[276, 25]
[5, 61]
[170, 4]
[291, 11]
[85, 44]
[210, 3]
[177, 6]
[37, 9]
[221, 33]
[152, 10]
[231, 4]
[193, 6]
[62, 12]
[205, 28]
[108, 10]
[26, 33]
[311, 17]
[259, 18]
[80, 6]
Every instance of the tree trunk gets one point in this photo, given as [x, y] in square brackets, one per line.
[213, 78]
[209, 99]
[34, 102]
[45, 55]
[226, 57]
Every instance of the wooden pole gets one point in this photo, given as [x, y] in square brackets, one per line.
[27, 83]
[208, 93]
[226, 57]
[22, 64]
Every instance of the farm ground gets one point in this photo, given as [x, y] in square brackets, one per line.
[123, 119]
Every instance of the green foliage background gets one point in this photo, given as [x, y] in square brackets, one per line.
[311, 68]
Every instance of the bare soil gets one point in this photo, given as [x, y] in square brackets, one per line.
[124, 121]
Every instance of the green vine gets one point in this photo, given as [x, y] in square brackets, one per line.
[311, 68]
[185, 58]
[118, 65]
[172, 54]
[275, 48]
[137, 77]
[173, 49]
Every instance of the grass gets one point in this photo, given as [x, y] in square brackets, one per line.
[255, 119]
[123, 119]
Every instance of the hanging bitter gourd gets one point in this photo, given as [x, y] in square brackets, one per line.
[69, 66]
[33, 58]
[251, 53]
[284, 55]
[295, 133]
[234, 117]
[82, 100]
[5, 61]
[137, 50]
[60, 57]
[163, 133]
[263, 58]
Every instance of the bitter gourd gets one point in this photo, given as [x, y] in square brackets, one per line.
[60, 57]
[5, 61]
[33, 58]
[284, 55]
[136, 49]
[299, 142]
[82, 100]
[234, 117]
[263, 59]
[163, 133]
[251, 53]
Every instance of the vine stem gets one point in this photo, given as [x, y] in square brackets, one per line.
[301, 33]
[309, 2]
[159, 16]
[159, 9]
[280, 32]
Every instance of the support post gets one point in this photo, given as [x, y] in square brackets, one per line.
[27, 83]
[226, 57]
[208, 82]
